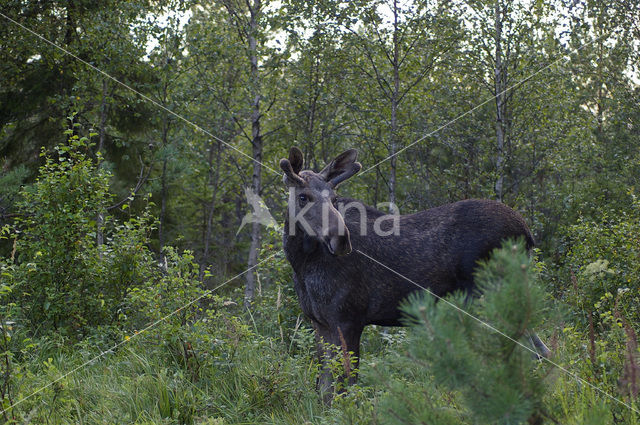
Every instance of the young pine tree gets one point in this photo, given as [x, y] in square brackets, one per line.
[485, 376]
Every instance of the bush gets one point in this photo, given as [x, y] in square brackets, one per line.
[604, 267]
[599, 281]
[73, 264]
[172, 301]
[58, 273]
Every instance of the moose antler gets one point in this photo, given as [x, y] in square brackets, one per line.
[341, 168]
[293, 165]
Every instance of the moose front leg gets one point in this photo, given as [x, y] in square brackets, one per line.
[346, 337]
[324, 384]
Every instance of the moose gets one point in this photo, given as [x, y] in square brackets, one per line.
[352, 268]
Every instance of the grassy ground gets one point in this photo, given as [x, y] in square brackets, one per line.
[259, 380]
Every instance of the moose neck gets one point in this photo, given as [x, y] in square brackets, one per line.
[300, 245]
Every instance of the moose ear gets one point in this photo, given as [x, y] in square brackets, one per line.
[292, 167]
[341, 168]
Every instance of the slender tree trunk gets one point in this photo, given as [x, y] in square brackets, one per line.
[103, 115]
[214, 180]
[69, 35]
[163, 180]
[70, 26]
[256, 143]
[163, 185]
[101, 138]
[600, 101]
[163, 204]
[314, 93]
[500, 96]
[393, 146]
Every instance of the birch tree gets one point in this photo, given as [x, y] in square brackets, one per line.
[250, 19]
[400, 43]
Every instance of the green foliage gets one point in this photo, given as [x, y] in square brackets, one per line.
[73, 263]
[171, 299]
[7, 326]
[276, 311]
[598, 280]
[494, 376]
[11, 181]
[233, 375]
[604, 267]
[58, 271]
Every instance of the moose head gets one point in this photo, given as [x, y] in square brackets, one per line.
[313, 207]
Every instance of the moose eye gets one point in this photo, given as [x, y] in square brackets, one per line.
[303, 198]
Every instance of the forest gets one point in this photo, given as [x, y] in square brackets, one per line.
[142, 272]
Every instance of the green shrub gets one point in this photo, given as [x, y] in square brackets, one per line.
[58, 273]
[73, 264]
[599, 281]
[172, 302]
